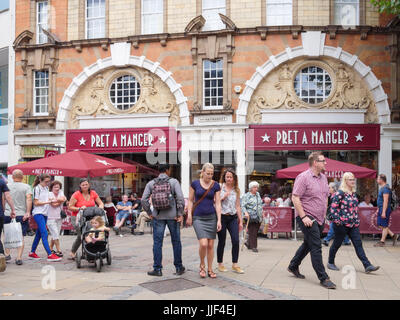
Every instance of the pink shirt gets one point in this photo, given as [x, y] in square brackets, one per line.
[313, 192]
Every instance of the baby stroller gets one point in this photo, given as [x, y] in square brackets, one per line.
[93, 252]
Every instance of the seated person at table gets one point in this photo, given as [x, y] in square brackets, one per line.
[367, 201]
[125, 208]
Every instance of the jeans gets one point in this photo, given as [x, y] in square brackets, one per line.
[312, 245]
[331, 234]
[231, 223]
[158, 237]
[354, 234]
[1, 230]
[41, 233]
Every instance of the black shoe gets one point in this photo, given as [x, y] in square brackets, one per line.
[296, 273]
[8, 258]
[18, 262]
[332, 266]
[180, 271]
[247, 245]
[347, 243]
[138, 233]
[327, 283]
[371, 268]
[156, 273]
[254, 250]
[325, 243]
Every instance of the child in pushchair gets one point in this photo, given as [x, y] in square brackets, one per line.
[95, 247]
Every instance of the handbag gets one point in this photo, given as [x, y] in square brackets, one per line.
[12, 235]
[63, 215]
[202, 197]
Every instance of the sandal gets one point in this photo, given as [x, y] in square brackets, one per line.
[59, 253]
[212, 274]
[202, 271]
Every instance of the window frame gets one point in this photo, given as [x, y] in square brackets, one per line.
[40, 24]
[217, 87]
[275, 3]
[211, 26]
[137, 88]
[142, 15]
[40, 88]
[87, 19]
[344, 2]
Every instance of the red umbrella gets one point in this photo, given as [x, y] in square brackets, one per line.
[74, 164]
[333, 169]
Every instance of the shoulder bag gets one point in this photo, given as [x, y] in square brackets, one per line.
[202, 197]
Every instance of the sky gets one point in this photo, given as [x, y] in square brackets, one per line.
[4, 4]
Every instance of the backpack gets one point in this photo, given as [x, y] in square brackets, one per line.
[161, 196]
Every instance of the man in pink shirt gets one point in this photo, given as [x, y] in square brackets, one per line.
[310, 200]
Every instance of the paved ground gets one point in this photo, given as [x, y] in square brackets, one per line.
[265, 274]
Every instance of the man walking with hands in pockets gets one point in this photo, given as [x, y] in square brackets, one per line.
[310, 199]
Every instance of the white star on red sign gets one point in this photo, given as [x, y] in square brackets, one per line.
[103, 162]
[162, 140]
[266, 137]
[82, 141]
[359, 137]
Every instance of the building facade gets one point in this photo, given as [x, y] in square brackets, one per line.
[195, 81]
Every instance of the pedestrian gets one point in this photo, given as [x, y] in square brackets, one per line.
[204, 212]
[21, 194]
[54, 220]
[367, 201]
[111, 210]
[344, 216]
[252, 208]
[310, 199]
[331, 232]
[41, 204]
[4, 194]
[124, 210]
[168, 203]
[384, 211]
[80, 200]
[231, 219]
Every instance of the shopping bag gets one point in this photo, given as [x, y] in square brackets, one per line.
[12, 235]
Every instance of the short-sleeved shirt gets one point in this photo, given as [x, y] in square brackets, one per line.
[122, 204]
[313, 192]
[206, 206]
[41, 194]
[139, 203]
[18, 192]
[80, 200]
[384, 190]
[3, 189]
[53, 213]
[228, 206]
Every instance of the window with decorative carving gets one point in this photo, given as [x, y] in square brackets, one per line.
[210, 12]
[41, 93]
[124, 92]
[95, 19]
[152, 16]
[42, 16]
[347, 12]
[313, 85]
[279, 12]
[213, 84]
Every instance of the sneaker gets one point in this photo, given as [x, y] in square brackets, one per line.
[53, 257]
[371, 268]
[379, 244]
[34, 256]
[237, 270]
[347, 243]
[2, 263]
[18, 262]
[325, 243]
[332, 266]
[327, 283]
[8, 258]
[395, 237]
[222, 269]
[254, 250]
[59, 253]
[296, 273]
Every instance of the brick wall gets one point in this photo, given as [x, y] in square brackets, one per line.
[246, 13]
[121, 18]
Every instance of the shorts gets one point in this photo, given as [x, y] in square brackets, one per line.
[122, 215]
[24, 224]
[54, 226]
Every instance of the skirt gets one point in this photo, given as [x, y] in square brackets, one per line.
[205, 226]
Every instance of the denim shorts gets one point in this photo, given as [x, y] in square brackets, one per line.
[24, 224]
[122, 215]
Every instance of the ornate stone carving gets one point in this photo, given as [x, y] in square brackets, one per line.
[276, 91]
[93, 98]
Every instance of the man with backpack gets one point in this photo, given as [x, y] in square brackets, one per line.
[385, 197]
[168, 204]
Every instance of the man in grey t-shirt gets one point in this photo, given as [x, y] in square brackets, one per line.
[21, 194]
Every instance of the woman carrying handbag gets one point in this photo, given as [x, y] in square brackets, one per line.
[204, 210]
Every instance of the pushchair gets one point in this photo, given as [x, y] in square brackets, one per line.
[93, 252]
